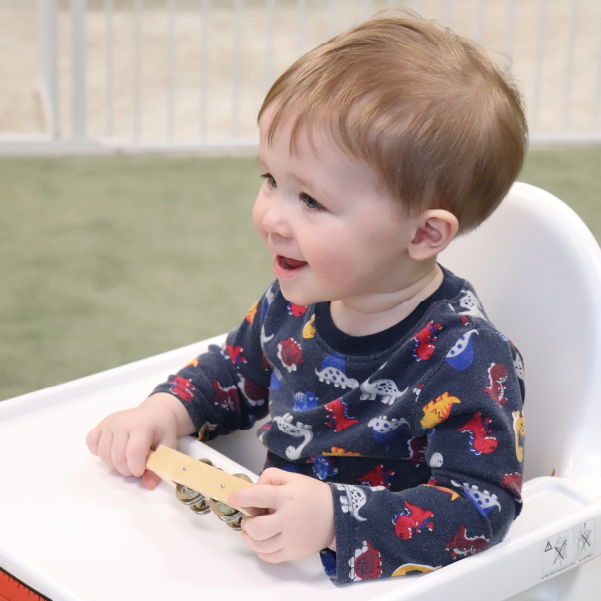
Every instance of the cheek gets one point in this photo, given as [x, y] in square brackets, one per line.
[258, 211]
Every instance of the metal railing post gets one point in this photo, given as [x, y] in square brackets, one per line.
[78, 58]
[48, 64]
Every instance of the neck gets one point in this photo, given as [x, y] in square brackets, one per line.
[374, 313]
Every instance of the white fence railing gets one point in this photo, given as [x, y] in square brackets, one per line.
[190, 74]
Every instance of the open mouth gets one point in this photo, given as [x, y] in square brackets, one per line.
[289, 264]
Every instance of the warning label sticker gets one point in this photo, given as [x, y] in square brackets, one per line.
[568, 548]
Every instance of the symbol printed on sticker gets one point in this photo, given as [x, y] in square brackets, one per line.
[584, 540]
[557, 553]
[568, 548]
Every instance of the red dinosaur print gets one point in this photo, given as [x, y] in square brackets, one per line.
[235, 354]
[337, 417]
[378, 476]
[481, 438]
[289, 353]
[462, 545]
[412, 519]
[417, 450]
[296, 310]
[497, 376]
[366, 564]
[254, 394]
[513, 483]
[182, 387]
[424, 341]
[227, 398]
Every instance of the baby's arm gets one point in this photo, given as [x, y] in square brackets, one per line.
[123, 439]
[221, 390]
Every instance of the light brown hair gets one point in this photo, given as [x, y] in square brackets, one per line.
[425, 108]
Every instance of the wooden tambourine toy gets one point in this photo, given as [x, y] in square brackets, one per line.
[200, 485]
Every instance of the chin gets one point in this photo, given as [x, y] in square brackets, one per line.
[299, 297]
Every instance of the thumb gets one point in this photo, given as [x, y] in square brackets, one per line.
[259, 495]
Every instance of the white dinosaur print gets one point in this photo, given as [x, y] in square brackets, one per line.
[264, 338]
[484, 500]
[518, 365]
[471, 304]
[385, 389]
[336, 377]
[353, 501]
[298, 430]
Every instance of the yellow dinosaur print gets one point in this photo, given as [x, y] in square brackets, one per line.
[334, 451]
[309, 329]
[454, 494]
[250, 315]
[437, 411]
[520, 433]
[193, 363]
[413, 568]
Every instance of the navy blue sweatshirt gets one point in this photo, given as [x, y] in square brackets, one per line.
[418, 429]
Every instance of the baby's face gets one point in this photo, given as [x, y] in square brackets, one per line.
[332, 231]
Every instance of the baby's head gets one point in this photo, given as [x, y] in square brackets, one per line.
[423, 107]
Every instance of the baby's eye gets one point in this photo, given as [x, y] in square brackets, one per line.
[269, 179]
[310, 202]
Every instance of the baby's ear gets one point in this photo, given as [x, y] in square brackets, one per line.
[434, 231]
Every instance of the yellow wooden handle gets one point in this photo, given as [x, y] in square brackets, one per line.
[178, 468]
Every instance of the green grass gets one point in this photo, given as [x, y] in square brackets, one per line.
[111, 259]
[572, 174]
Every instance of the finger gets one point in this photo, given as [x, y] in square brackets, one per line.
[92, 440]
[138, 446]
[275, 477]
[104, 448]
[278, 556]
[263, 547]
[259, 495]
[263, 527]
[118, 450]
[150, 480]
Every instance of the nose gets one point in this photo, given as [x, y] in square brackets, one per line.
[270, 216]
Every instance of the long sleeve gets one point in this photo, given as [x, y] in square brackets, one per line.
[226, 388]
[467, 411]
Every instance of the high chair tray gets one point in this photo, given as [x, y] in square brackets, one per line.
[73, 531]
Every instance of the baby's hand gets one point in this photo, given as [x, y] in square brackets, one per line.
[300, 520]
[124, 439]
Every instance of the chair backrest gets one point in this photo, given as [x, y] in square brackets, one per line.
[537, 268]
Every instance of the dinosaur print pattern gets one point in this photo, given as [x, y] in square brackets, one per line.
[425, 340]
[417, 431]
[519, 430]
[461, 355]
[438, 410]
[483, 500]
[462, 545]
[298, 430]
[333, 372]
[497, 375]
[412, 520]
[337, 417]
[385, 390]
[366, 563]
[352, 501]
[481, 439]
[290, 354]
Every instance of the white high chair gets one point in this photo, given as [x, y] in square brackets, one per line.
[74, 531]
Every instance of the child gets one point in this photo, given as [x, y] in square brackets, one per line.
[395, 442]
